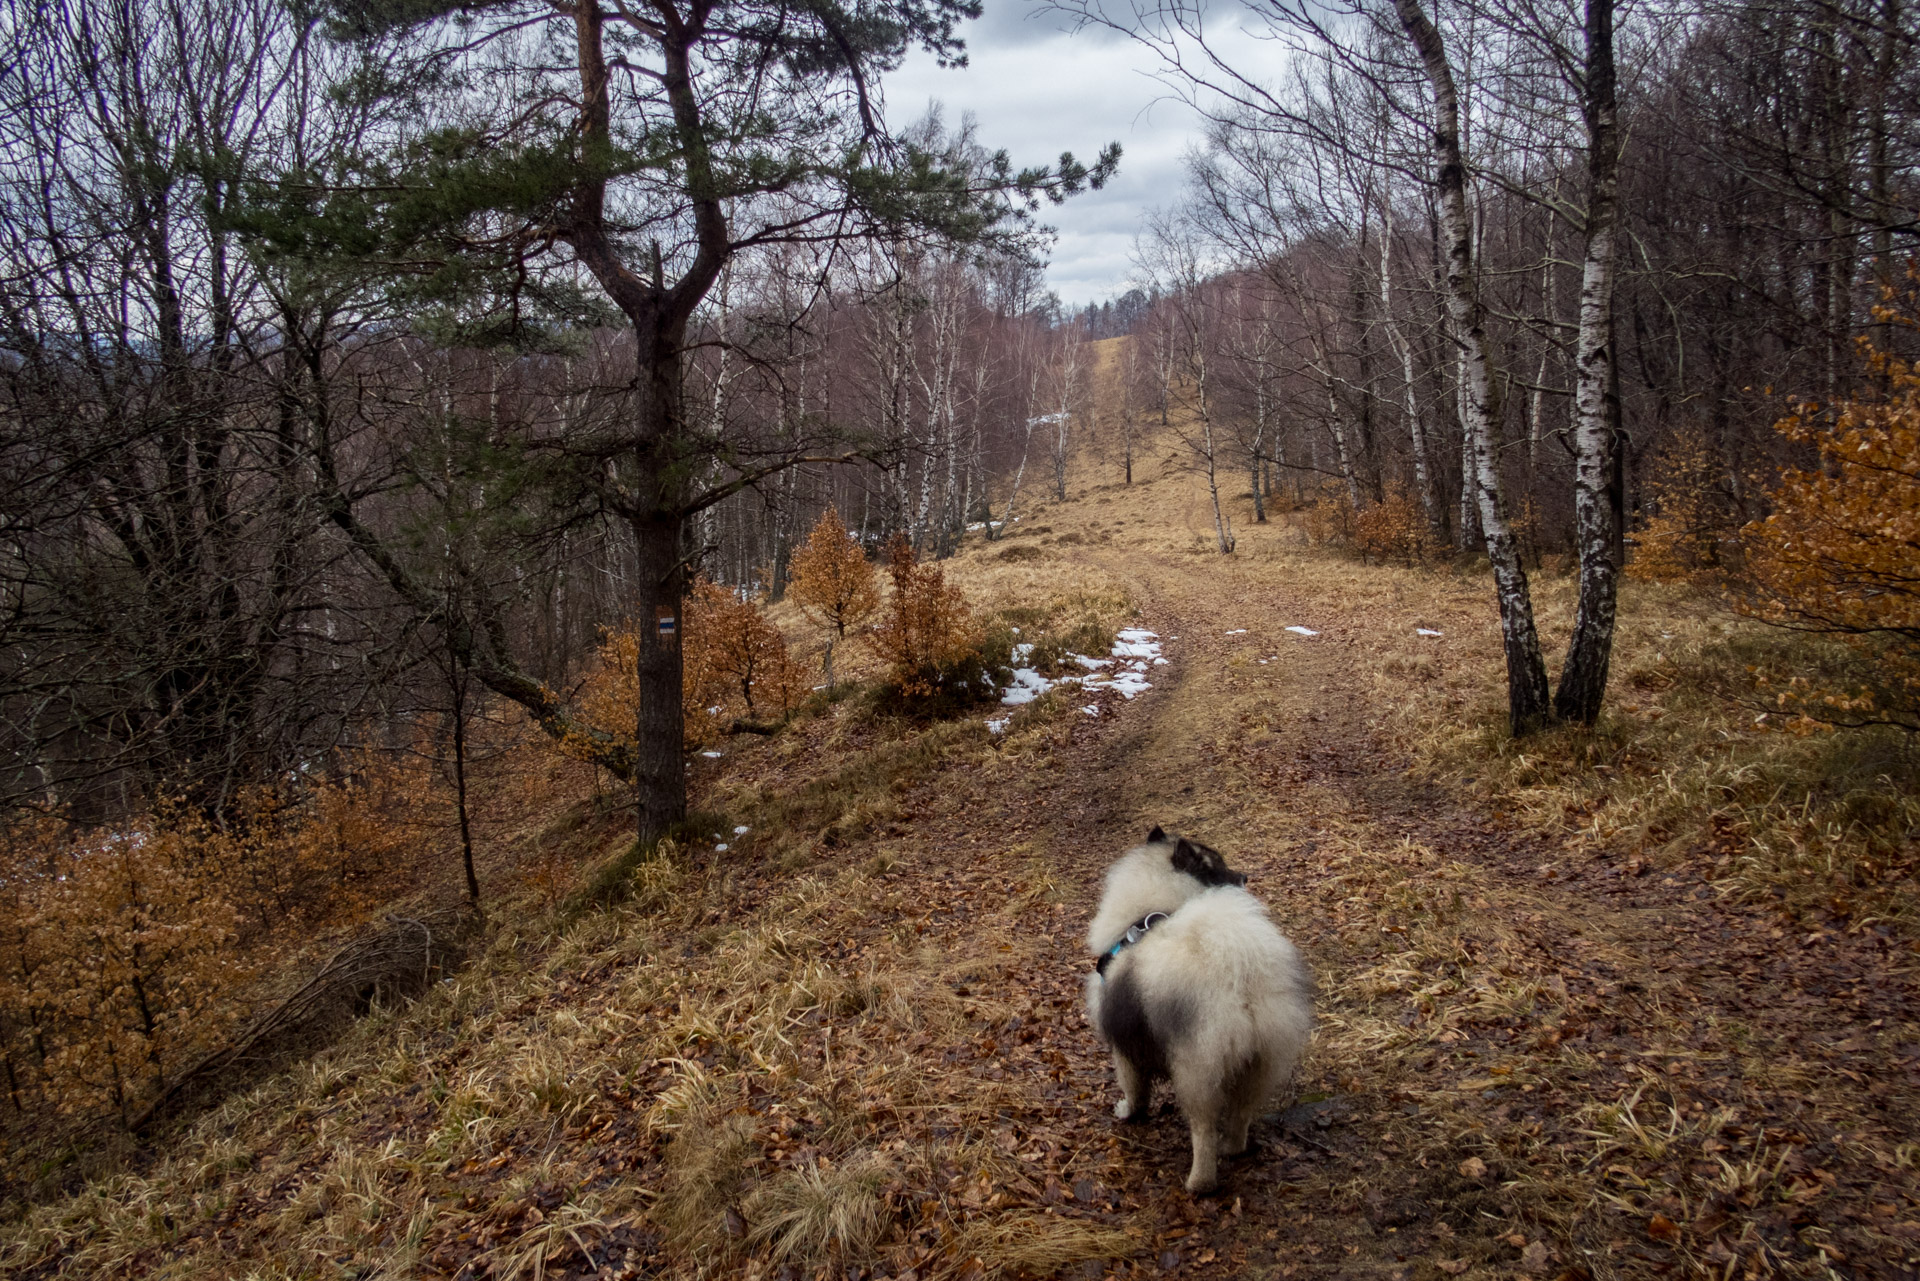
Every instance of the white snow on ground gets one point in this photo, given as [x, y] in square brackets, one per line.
[1238, 631]
[741, 831]
[713, 755]
[1298, 630]
[1425, 631]
[1027, 686]
[1135, 650]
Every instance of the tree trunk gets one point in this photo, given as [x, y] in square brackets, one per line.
[1416, 425]
[457, 686]
[1528, 702]
[1583, 681]
[1344, 459]
[659, 758]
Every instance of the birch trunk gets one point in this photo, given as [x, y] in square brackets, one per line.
[1203, 405]
[1416, 425]
[1334, 427]
[1255, 462]
[1583, 681]
[1528, 702]
[1069, 389]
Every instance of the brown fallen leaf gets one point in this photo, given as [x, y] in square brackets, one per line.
[1536, 1257]
[1473, 1168]
[1452, 1267]
[1661, 1228]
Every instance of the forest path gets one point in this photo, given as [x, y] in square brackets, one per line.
[1531, 1060]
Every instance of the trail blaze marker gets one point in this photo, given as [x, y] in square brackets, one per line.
[666, 624]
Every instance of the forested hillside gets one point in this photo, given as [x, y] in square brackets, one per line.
[579, 628]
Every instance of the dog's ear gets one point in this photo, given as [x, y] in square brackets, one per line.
[1204, 864]
[1156, 836]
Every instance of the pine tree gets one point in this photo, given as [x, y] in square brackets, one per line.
[668, 139]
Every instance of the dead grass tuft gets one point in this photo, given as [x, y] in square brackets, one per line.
[1035, 1243]
[708, 1162]
[821, 1212]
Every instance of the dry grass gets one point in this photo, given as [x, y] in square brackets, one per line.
[685, 1049]
[849, 1040]
[1685, 768]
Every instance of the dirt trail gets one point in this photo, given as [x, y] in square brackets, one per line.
[1530, 1062]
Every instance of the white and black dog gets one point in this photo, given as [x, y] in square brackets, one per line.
[1195, 985]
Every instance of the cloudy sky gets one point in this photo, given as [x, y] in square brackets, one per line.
[1038, 90]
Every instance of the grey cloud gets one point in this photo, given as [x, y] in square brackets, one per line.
[1037, 90]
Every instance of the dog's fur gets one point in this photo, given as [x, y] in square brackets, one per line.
[1213, 998]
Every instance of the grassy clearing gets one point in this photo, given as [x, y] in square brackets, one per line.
[1686, 769]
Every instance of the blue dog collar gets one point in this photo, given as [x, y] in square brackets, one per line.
[1135, 932]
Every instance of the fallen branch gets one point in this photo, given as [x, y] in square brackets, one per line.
[403, 949]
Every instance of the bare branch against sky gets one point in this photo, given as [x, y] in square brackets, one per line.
[1037, 87]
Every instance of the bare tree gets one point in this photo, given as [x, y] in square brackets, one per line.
[1170, 255]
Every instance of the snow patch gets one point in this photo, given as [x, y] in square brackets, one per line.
[1134, 650]
[998, 725]
[1425, 631]
[1027, 686]
[713, 756]
[1298, 630]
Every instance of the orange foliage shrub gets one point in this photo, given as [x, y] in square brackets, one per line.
[124, 954]
[1840, 554]
[1393, 529]
[1692, 527]
[832, 580]
[737, 651]
[926, 630]
[127, 951]
[1328, 518]
[733, 662]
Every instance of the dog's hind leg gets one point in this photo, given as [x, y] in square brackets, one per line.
[1205, 1173]
[1136, 1090]
[1245, 1092]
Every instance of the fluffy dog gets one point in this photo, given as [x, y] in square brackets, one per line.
[1195, 985]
